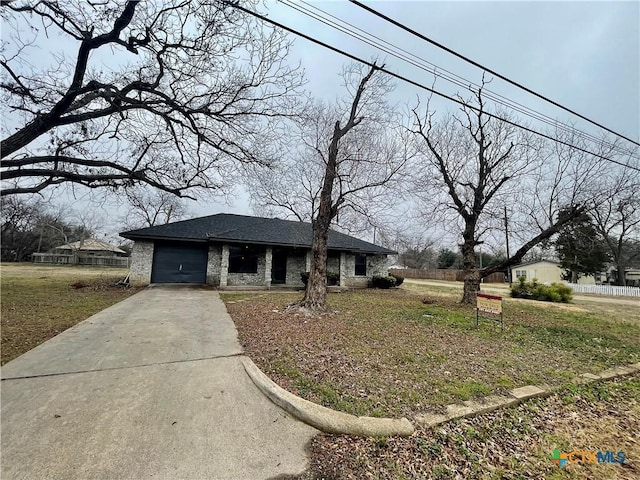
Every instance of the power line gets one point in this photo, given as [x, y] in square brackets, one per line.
[421, 86]
[486, 69]
[451, 77]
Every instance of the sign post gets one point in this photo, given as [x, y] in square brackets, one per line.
[490, 306]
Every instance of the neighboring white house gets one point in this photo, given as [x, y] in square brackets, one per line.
[545, 271]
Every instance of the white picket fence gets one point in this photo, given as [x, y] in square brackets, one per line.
[606, 290]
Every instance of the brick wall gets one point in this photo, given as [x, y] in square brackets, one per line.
[376, 265]
[141, 262]
[296, 263]
[213, 265]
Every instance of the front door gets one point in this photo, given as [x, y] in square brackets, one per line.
[279, 266]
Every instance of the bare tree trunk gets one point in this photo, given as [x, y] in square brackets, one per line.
[471, 271]
[315, 296]
[622, 278]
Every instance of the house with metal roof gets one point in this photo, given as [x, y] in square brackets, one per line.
[85, 252]
[227, 250]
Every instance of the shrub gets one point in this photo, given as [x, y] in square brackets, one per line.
[379, 281]
[522, 289]
[333, 278]
[556, 292]
[398, 279]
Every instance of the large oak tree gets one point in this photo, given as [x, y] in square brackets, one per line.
[475, 165]
[172, 94]
[344, 160]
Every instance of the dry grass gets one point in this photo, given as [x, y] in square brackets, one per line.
[512, 443]
[387, 353]
[39, 302]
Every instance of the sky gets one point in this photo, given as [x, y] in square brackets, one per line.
[583, 55]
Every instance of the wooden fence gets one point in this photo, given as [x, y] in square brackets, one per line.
[441, 274]
[98, 260]
[613, 290]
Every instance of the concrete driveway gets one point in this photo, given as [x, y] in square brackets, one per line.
[152, 387]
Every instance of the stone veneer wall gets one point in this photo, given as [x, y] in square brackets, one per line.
[296, 264]
[141, 262]
[249, 279]
[376, 265]
[214, 261]
[333, 262]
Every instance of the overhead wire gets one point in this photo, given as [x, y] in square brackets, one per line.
[411, 58]
[419, 85]
[486, 69]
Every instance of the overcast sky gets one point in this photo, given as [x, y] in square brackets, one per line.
[584, 55]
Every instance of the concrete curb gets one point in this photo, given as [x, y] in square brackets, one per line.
[471, 408]
[324, 418]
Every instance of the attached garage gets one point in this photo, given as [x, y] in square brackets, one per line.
[179, 263]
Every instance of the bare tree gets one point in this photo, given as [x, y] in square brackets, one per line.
[33, 225]
[20, 219]
[617, 219]
[153, 207]
[170, 94]
[474, 165]
[340, 171]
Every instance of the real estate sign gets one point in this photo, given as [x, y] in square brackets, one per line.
[489, 305]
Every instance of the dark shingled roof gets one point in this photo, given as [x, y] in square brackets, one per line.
[231, 228]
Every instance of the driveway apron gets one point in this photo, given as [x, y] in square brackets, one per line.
[152, 387]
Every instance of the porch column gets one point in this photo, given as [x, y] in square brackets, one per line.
[343, 268]
[267, 266]
[224, 266]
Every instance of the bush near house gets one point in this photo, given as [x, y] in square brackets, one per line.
[333, 278]
[380, 281]
[556, 292]
[398, 278]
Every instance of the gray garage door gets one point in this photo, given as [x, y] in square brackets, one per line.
[179, 263]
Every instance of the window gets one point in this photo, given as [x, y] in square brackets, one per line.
[244, 259]
[521, 273]
[361, 265]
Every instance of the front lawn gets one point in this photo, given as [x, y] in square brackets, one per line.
[386, 353]
[514, 443]
[39, 302]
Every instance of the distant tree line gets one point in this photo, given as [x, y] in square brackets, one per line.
[588, 245]
[443, 258]
[29, 227]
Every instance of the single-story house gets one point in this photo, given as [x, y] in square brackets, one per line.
[227, 250]
[85, 252]
[89, 247]
[631, 274]
[545, 271]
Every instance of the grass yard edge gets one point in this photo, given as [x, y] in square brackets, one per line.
[332, 421]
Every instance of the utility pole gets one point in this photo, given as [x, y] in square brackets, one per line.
[506, 233]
